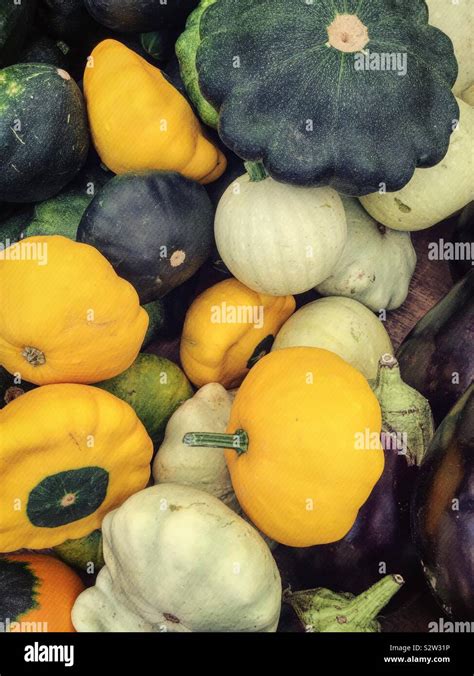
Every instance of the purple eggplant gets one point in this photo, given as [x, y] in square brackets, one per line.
[378, 543]
[463, 240]
[443, 511]
[437, 357]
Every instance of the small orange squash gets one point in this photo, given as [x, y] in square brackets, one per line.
[140, 122]
[304, 450]
[37, 593]
[65, 315]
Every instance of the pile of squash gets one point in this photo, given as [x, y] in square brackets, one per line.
[206, 212]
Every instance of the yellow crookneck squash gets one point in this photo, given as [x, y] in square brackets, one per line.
[65, 315]
[139, 121]
[68, 455]
[228, 328]
[303, 442]
[37, 593]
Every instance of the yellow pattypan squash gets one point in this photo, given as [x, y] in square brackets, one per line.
[227, 329]
[139, 121]
[65, 315]
[68, 455]
[304, 450]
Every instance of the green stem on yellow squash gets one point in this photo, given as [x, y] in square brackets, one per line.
[239, 441]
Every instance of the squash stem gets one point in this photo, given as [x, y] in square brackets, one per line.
[389, 370]
[239, 441]
[256, 171]
[368, 605]
[34, 356]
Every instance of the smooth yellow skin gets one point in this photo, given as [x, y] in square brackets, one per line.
[303, 480]
[218, 352]
[63, 427]
[75, 309]
[139, 121]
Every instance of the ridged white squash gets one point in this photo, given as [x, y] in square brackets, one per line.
[455, 18]
[433, 194]
[376, 265]
[340, 325]
[279, 239]
[178, 560]
[201, 468]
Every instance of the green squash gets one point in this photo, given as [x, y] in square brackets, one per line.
[15, 22]
[159, 44]
[295, 90]
[43, 131]
[12, 227]
[83, 552]
[186, 48]
[43, 49]
[60, 215]
[155, 227]
[154, 387]
[130, 16]
[157, 317]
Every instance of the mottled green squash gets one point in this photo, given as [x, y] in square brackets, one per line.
[154, 387]
[156, 314]
[60, 215]
[186, 48]
[83, 552]
[303, 87]
[43, 131]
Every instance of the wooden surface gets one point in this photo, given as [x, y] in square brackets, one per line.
[431, 282]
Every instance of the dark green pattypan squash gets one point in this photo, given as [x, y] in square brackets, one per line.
[349, 93]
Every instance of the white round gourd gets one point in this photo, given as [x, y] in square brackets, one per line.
[455, 18]
[435, 193]
[178, 560]
[340, 325]
[376, 265]
[279, 239]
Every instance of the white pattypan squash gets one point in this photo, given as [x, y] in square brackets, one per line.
[202, 468]
[340, 325]
[455, 18]
[177, 559]
[376, 265]
[435, 193]
[279, 239]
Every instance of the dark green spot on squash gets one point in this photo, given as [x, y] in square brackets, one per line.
[67, 496]
[18, 589]
[261, 350]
